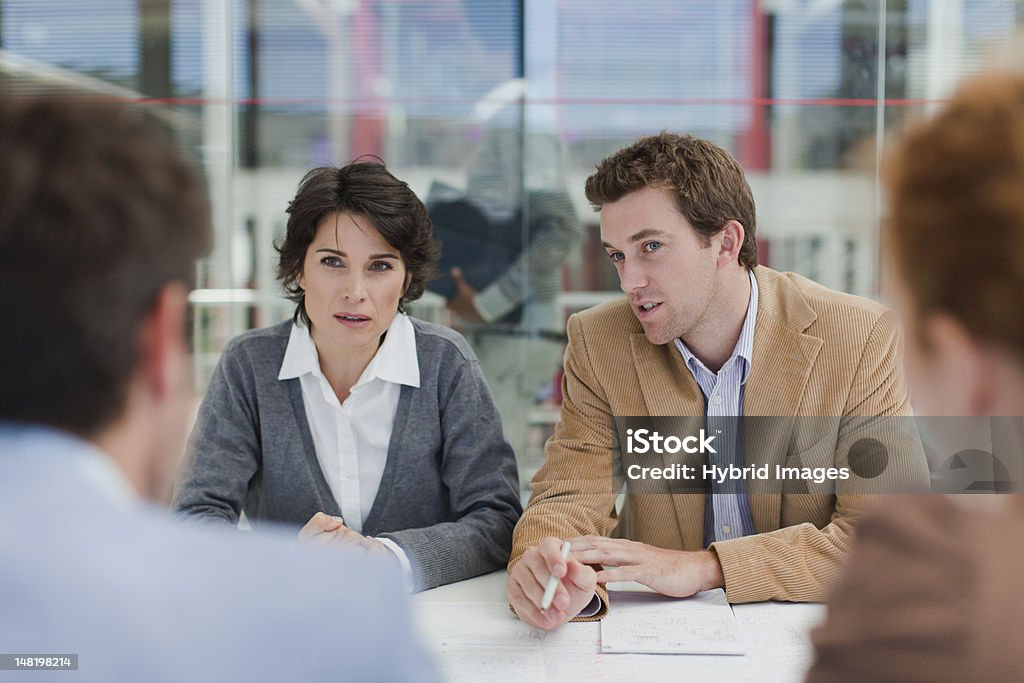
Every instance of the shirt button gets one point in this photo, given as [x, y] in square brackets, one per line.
[726, 528]
[717, 400]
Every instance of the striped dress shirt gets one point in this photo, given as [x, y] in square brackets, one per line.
[727, 510]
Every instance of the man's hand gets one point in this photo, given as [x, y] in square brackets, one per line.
[676, 573]
[462, 301]
[527, 580]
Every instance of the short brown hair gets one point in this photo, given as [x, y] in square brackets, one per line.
[706, 181]
[362, 188]
[98, 213]
[956, 225]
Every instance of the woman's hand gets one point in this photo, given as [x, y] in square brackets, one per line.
[373, 547]
[462, 301]
[319, 525]
[324, 529]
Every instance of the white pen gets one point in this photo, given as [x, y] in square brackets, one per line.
[549, 590]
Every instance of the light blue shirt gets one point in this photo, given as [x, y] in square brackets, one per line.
[89, 568]
[728, 515]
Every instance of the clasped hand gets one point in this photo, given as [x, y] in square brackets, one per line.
[324, 529]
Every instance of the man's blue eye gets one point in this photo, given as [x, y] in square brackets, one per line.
[652, 246]
[615, 256]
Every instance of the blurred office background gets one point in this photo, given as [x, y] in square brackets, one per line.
[803, 92]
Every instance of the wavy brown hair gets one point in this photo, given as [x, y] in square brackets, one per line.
[99, 212]
[706, 182]
[956, 224]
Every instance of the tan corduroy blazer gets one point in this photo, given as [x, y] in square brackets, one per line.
[816, 352]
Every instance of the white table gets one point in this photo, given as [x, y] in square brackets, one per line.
[495, 646]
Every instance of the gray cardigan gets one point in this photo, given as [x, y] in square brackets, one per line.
[449, 494]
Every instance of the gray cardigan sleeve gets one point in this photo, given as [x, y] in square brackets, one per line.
[479, 469]
[224, 444]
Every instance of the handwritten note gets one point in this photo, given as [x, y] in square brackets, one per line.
[649, 623]
[778, 651]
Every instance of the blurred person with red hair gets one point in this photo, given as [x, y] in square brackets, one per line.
[933, 589]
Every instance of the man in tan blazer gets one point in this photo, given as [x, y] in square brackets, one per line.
[704, 331]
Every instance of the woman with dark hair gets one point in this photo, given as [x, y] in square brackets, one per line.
[363, 426]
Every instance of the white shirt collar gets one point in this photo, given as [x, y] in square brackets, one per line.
[396, 360]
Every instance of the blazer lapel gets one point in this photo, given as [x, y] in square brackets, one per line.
[669, 389]
[783, 357]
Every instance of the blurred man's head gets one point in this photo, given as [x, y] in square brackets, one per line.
[956, 250]
[101, 222]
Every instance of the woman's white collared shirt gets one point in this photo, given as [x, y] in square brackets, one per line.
[351, 438]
